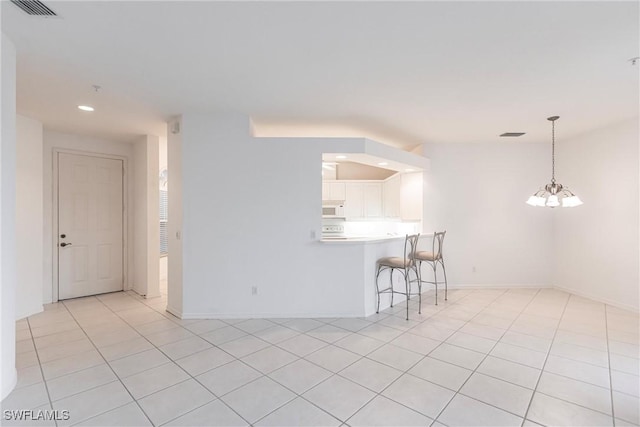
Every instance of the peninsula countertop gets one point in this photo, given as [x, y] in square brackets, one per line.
[360, 239]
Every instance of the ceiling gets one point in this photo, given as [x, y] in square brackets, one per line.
[402, 73]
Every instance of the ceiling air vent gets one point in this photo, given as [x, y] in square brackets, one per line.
[34, 7]
[513, 134]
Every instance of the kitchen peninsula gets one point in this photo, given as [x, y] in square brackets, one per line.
[369, 205]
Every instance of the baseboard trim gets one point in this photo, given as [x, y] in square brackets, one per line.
[175, 312]
[149, 296]
[205, 316]
[617, 304]
[497, 286]
[30, 312]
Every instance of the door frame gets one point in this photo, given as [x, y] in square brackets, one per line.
[125, 214]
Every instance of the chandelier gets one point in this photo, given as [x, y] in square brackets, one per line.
[554, 194]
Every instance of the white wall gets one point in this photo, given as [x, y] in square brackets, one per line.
[146, 241]
[81, 144]
[477, 192]
[29, 221]
[174, 224]
[597, 243]
[8, 374]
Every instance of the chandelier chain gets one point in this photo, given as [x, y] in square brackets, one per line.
[553, 152]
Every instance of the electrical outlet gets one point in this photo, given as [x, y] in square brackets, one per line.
[473, 269]
[312, 234]
[254, 290]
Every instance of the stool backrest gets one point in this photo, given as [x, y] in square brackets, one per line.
[438, 242]
[410, 247]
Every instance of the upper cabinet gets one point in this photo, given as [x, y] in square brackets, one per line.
[391, 197]
[363, 200]
[398, 198]
[354, 201]
[411, 194]
[373, 200]
[333, 190]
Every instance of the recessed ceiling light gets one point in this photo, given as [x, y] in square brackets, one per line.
[85, 108]
[341, 156]
[383, 164]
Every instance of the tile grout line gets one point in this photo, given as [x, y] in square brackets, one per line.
[406, 372]
[165, 388]
[558, 321]
[376, 394]
[349, 332]
[535, 390]
[263, 375]
[334, 374]
[239, 359]
[109, 365]
[44, 380]
[457, 392]
[606, 324]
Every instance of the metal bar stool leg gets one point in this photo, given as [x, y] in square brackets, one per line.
[446, 286]
[419, 276]
[435, 279]
[391, 284]
[407, 287]
[378, 288]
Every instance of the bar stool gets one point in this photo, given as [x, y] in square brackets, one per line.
[433, 258]
[404, 265]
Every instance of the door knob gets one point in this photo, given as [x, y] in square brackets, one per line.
[62, 245]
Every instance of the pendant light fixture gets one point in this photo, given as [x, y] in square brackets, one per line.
[554, 194]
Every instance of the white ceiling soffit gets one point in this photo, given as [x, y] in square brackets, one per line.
[369, 160]
[398, 72]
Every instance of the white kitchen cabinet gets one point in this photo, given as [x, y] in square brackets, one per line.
[372, 200]
[391, 197]
[399, 198]
[333, 190]
[402, 197]
[354, 200]
[363, 200]
[411, 196]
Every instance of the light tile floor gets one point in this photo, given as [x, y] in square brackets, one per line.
[521, 357]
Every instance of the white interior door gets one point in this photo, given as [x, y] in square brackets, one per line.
[90, 225]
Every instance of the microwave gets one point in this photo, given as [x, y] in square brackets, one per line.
[332, 210]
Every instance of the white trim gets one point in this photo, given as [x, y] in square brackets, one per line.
[617, 304]
[495, 286]
[206, 316]
[39, 308]
[125, 214]
[150, 295]
[178, 313]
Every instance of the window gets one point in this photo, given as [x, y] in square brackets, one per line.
[164, 214]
